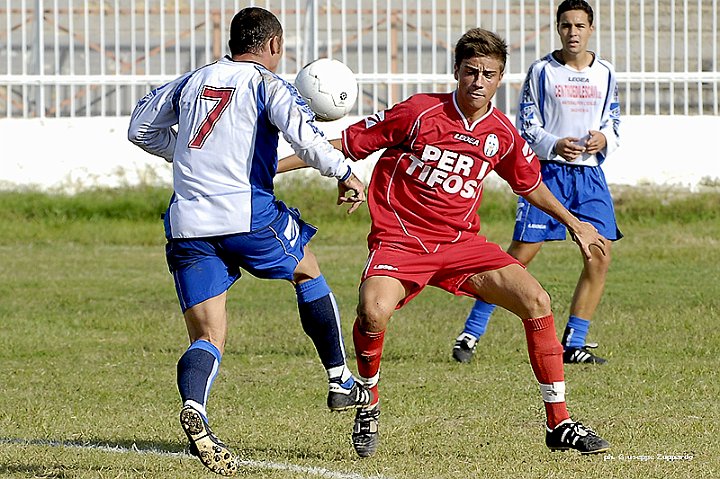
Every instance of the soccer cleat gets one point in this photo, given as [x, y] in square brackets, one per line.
[365, 435]
[573, 435]
[342, 399]
[205, 445]
[582, 355]
[464, 349]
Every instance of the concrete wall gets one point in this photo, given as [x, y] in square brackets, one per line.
[73, 154]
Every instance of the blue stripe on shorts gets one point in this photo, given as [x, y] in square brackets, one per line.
[206, 267]
[582, 190]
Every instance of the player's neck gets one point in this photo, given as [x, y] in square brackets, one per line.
[578, 61]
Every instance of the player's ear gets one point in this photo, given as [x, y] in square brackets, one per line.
[455, 72]
[276, 45]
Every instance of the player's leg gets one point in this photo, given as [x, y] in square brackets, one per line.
[320, 320]
[479, 317]
[586, 298]
[198, 367]
[514, 289]
[592, 203]
[379, 297]
[201, 281]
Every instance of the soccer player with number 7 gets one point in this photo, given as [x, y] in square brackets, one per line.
[224, 215]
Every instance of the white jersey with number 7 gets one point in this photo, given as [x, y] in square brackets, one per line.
[224, 152]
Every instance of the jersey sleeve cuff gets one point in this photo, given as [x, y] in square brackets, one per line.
[347, 174]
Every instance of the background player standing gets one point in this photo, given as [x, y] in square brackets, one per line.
[569, 114]
[224, 216]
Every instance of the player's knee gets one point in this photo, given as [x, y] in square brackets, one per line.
[538, 303]
[307, 268]
[599, 264]
[373, 316]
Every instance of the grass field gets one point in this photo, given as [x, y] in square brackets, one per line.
[90, 333]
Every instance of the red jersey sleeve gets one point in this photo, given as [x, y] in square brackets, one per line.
[519, 166]
[384, 129]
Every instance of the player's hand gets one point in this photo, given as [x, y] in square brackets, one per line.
[586, 236]
[595, 143]
[570, 148]
[351, 191]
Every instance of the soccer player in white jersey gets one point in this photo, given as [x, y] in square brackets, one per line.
[224, 216]
[424, 196]
[570, 115]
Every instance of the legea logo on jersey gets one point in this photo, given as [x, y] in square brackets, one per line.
[492, 145]
[467, 139]
[448, 170]
[386, 267]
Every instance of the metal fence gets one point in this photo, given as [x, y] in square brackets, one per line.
[65, 58]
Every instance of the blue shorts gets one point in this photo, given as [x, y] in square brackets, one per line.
[582, 190]
[206, 267]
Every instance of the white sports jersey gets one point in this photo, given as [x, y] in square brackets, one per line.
[558, 101]
[224, 153]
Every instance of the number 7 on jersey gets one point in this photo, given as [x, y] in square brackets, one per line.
[221, 97]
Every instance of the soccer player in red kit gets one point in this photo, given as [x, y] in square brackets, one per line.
[423, 198]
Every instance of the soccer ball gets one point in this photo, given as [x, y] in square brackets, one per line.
[329, 88]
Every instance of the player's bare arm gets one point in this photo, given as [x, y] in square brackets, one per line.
[350, 191]
[293, 162]
[290, 163]
[584, 234]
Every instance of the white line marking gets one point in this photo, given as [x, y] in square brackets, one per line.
[114, 448]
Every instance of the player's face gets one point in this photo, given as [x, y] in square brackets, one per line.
[575, 30]
[478, 79]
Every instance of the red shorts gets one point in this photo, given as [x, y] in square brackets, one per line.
[448, 268]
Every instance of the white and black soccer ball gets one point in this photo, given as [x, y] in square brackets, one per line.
[329, 87]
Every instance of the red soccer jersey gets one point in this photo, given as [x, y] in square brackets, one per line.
[426, 187]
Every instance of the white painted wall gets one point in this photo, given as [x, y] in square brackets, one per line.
[74, 154]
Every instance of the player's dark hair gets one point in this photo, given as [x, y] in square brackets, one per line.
[568, 5]
[251, 28]
[478, 42]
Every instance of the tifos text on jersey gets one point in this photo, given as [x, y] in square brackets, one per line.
[448, 170]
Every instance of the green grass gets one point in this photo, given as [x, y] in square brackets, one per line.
[90, 333]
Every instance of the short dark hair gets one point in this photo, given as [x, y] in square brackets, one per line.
[478, 42]
[568, 5]
[251, 28]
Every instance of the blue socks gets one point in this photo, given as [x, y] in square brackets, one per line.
[478, 319]
[320, 320]
[574, 337]
[196, 371]
[575, 332]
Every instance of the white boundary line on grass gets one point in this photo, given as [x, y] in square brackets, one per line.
[315, 471]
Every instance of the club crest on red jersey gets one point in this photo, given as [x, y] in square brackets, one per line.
[492, 145]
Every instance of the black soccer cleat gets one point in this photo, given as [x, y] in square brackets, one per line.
[365, 435]
[464, 348]
[341, 399]
[573, 435]
[212, 452]
[582, 355]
